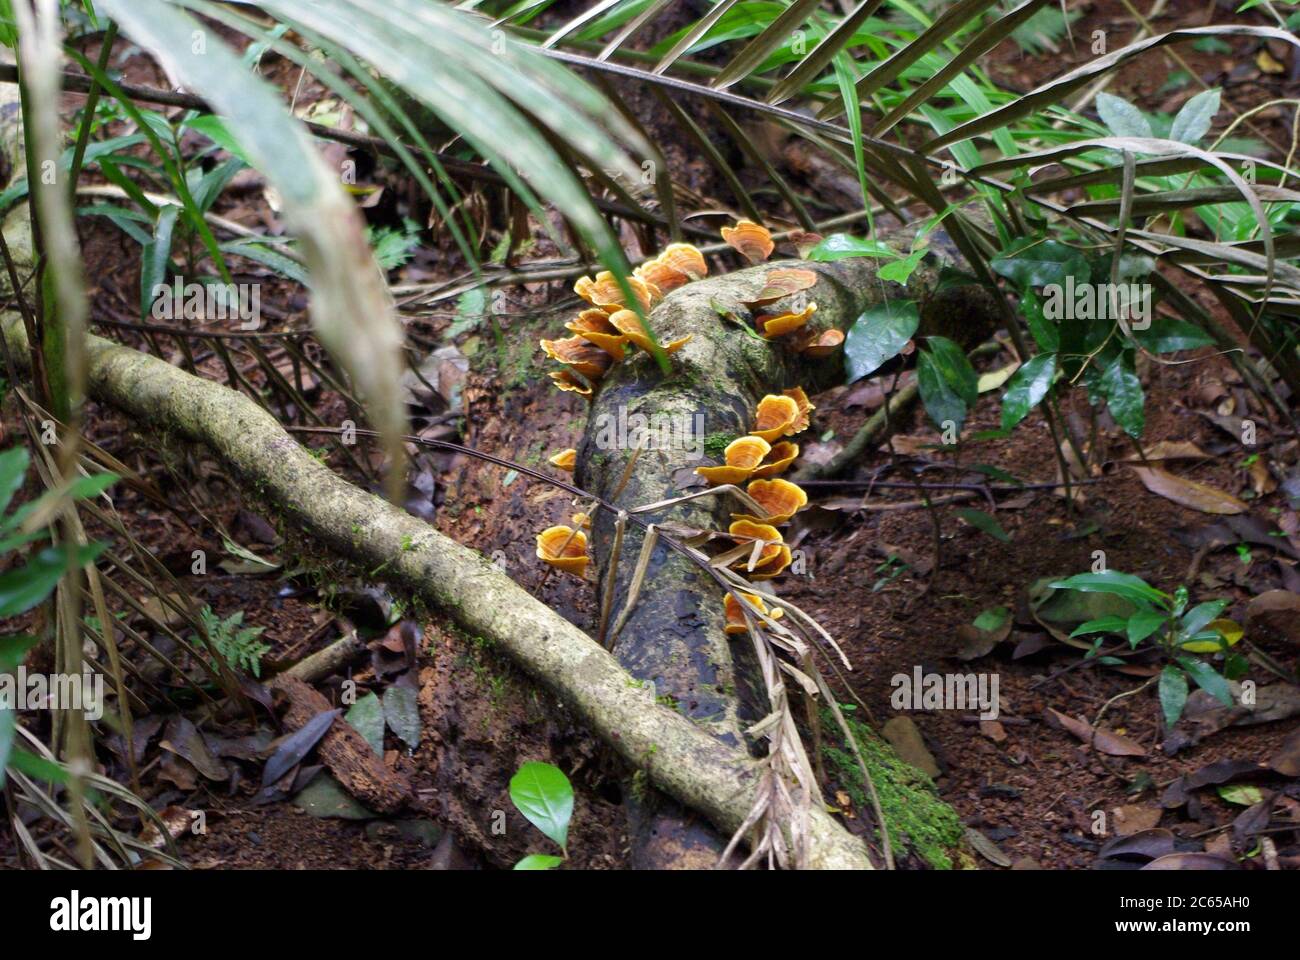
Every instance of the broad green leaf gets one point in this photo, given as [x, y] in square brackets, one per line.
[37, 767]
[1167, 334]
[984, 522]
[1208, 679]
[1196, 619]
[992, 619]
[878, 335]
[1122, 118]
[1044, 331]
[1194, 119]
[1031, 262]
[1142, 624]
[26, 586]
[956, 369]
[1110, 624]
[1028, 386]
[1173, 693]
[901, 270]
[840, 246]
[1122, 389]
[543, 794]
[154, 257]
[1112, 581]
[1242, 794]
[402, 713]
[539, 861]
[941, 401]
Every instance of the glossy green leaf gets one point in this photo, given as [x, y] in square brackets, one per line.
[941, 401]
[1167, 334]
[543, 794]
[1208, 679]
[1122, 389]
[24, 587]
[13, 469]
[1112, 581]
[878, 335]
[1027, 387]
[984, 522]
[1031, 262]
[539, 861]
[1194, 119]
[840, 246]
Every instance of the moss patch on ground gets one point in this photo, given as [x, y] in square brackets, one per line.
[918, 821]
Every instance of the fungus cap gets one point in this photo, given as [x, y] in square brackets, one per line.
[593, 326]
[684, 258]
[805, 407]
[784, 282]
[780, 498]
[775, 417]
[778, 461]
[741, 457]
[778, 325]
[822, 345]
[568, 381]
[735, 612]
[748, 530]
[564, 460]
[665, 277]
[587, 358]
[629, 324]
[563, 547]
[753, 241]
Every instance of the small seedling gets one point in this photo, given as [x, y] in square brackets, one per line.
[543, 794]
[1165, 622]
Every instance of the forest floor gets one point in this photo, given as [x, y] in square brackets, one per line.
[1026, 784]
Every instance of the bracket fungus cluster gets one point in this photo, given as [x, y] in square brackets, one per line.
[564, 548]
[760, 550]
[612, 323]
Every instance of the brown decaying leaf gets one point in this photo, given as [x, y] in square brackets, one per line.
[1108, 742]
[1188, 493]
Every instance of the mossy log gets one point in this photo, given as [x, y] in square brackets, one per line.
[674, 638]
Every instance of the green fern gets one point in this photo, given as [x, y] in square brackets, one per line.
[236, 644]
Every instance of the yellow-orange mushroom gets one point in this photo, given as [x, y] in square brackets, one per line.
[785, 282]
[822, 345]
[769, 567]
[778, 461]
[564, 460]
[593, 326]
[582, 521]
[684, 258]
[568, 381]
[748, 531]
[805, 407]
[629, 324]
[775, 417]
[751, 240]
[741, 457]
[777, 325]
[606, 293]
[664, 276]
[563, 547]
[587, 358]
[780, 498]
[735, 614]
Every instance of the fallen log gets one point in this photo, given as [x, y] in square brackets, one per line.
[674, 637]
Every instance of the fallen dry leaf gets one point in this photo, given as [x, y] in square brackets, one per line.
[1107, 741]
[1188, 493]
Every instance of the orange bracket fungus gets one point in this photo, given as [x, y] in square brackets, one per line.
[664, 277]
[784, 282]
[821, 345]
[735, 613]
[776, 416]
[563, 547]
[741, 458]
[684, 258]
[805, 407]
[629, 324]
[776, 325]
[772, 558]
[565, 460]
[567, 381]
[752, 241]
[778, 461]
[586, 358]
[593, 326]
[780, 498]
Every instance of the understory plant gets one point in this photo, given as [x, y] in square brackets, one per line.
[1182, 634]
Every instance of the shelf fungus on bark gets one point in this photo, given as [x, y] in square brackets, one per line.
[740, 459]
[586, 358]
[593, 326]
[773, 555]
[821, 345]
[662, 276]
[780, 498]
[565, 548]
[751, 240]
[776, 416]
[736, 623]
[606, 293]
[629, 324]
[582, 520]
[805, 408]
[778, 460]
[783, 282]
[568, 381]
[684, 258]
[564, 460]
[772, 326]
